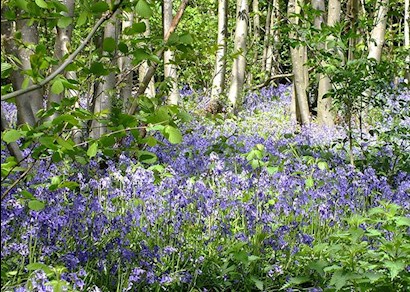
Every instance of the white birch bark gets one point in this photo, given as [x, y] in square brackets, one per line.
[106, 89]
[170, 71]
[271, 56]
[299, 57]
[324, 104]
[218, 82]
[239, 63]
[143, 69]
[378, 33]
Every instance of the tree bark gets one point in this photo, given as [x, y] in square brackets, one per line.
[273, 39]
[13, 147]
[299, 57]
[239, 63]
[29, 103]
[125, 66]
[105, 90]
[143, 69]
[407, 37]
[218, 82]
[324, 104]
[378, 33]
[266, 37]
[170, 71]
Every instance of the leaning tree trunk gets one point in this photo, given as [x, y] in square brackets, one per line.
[239, 63]
[218, 82]
[324, 103]
[170, 71]
[30, 103]
[106, 89]
[299, 57]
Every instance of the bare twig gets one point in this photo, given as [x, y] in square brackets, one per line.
[266, 83]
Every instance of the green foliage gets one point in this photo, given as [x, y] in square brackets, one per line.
[371, 252]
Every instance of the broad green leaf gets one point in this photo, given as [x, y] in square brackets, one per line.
[186, 39]
[298, 280]
[12, 135]
[99, 7]
[338, 280]
[123, 48]
[272, 169]
[65, 144]
[48, 142]
[143, 9]
[39, 266]
[41, 4]
[25, 82]
[395, 268]
[5, 69]
[92, 150]
[57, 87]
[82, 18]
[147, 157]
[64, 21]
[309, 183]
[322, 165]
[109, 45]
[258, 283]
[27, 195]
[173, 134]
[36, 205]
[402, 221]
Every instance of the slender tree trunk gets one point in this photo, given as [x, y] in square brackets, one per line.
[30, 103]
[298, 56]
[352, 18]
[105, 89]
[266, 37]
[407, 36]
[61, 46]
[125, 66]
[13, 147]
[271, 57]
[256, 28]
[170, 71]
[218, 82]
[378, 33]
[324, 104]
[150, 91]
[239, 63]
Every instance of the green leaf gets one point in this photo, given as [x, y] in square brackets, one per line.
[309, 183]
[36, 205]
[25, 82]
[173, 134]
[123, 48]
[27, 195]
[82, 18]
[65, 144]
[64, 21]
[258, 283]
[143, 9]
[298, 280]
[41, 4]
[402, 221]
[272, 169]
[39, 266]
[57, 87]
[147, 157]
[5, 69]
[395, 268]
[322, 165]
[48, 142]
[338, 280]
[12, 135]
[109, 45]
[92, 150]
[99, 7]
[186, 39]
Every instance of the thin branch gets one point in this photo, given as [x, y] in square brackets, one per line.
[151, 70]
[70, 58]
[23, 175]
[266, 83]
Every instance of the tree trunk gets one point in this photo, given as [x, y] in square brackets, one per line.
[62, 43]
[13, 147]
[170, 71]
[125, 66]
[150, 91]
[271, 55]
[324, 104]
[106, 89]
[299, 57]
[266, 37]
[30, 103]
[239, 63]
[378, 33]
[218, 82]
[407, 37]
[256, 28]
